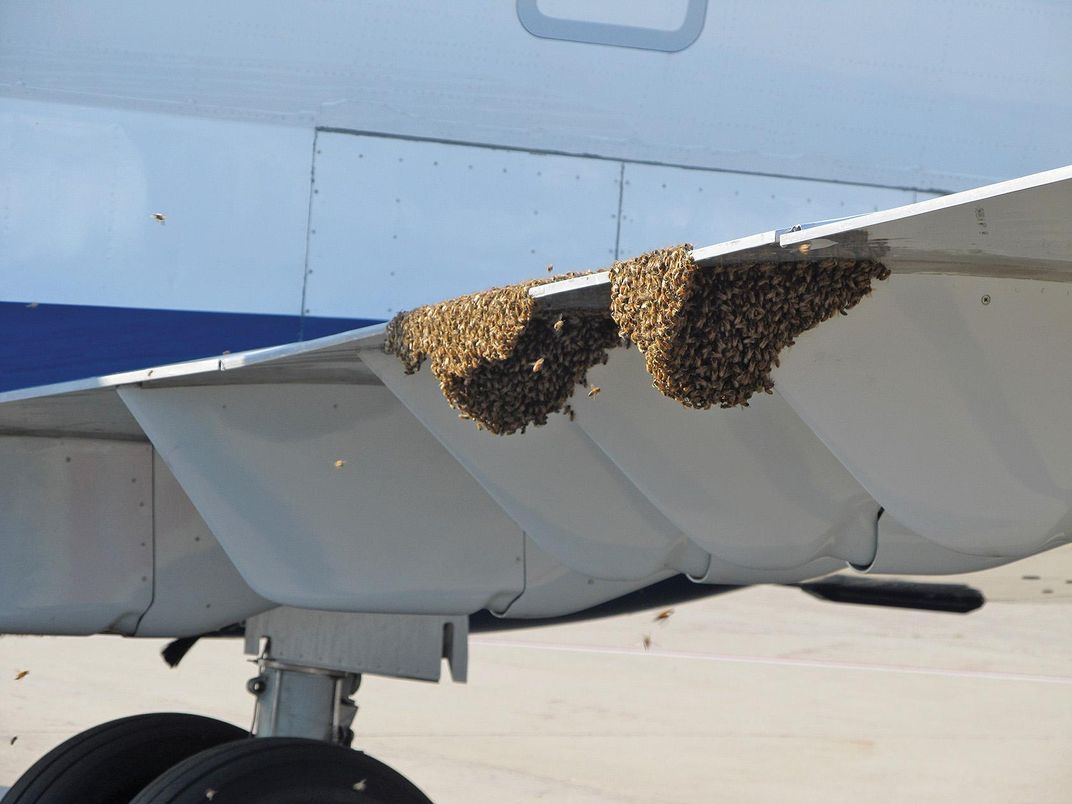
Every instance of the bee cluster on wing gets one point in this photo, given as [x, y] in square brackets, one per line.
[710, 334]
[496, 360]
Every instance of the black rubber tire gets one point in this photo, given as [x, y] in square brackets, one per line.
[111, 763]
[281, 770]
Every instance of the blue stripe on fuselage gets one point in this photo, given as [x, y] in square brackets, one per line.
[48, 343]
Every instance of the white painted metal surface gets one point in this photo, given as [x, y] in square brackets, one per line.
[76, 535]
[324, 360]
[901, 550]
[1016, 228]
[948, 399]
[564, 492]
[664, 205]
[334, 496]
[399, 645]
[196, 588]
[553, 589]
[81, 186]
[96, 535]
[91, 411]
[908, 94]
[380, 242]
[753, 487]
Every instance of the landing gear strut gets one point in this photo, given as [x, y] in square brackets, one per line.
[297, 701]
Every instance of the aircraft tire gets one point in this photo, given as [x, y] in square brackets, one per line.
[281, 770]
[112, 762]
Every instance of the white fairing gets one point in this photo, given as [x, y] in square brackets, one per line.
[333, 497]
[948, 399]
[769, 497]
[598, 519]
[641, 485]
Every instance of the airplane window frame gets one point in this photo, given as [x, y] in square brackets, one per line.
[602, 33]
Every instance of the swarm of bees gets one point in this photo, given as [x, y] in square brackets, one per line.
[500, 364]
[710, 335]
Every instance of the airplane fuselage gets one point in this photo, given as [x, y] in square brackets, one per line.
[180, 183]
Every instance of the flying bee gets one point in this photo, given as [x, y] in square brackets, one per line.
[159, 217]
[665, 614]
[21, 674]
[340, 463]
[595, 389]
[538, 364]
[647, 641]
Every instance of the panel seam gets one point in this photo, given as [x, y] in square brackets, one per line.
[621, 195]
[308, 236]
[650, 162]
[152, 539]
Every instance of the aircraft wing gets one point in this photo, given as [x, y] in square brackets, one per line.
[926, 432]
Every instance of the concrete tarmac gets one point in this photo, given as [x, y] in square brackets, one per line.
[760, 695]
